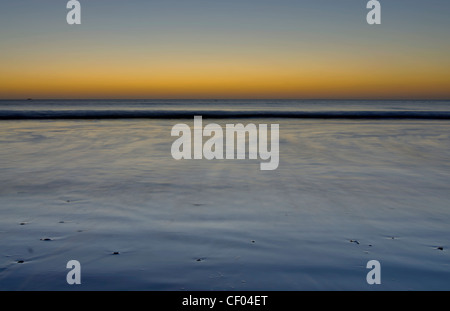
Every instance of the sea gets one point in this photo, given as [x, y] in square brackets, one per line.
[95, 181]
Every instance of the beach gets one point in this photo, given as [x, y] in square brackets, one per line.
[109, 194]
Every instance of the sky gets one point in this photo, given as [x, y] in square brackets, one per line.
[225, 49]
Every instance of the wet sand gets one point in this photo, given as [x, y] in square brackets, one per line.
[109, 194]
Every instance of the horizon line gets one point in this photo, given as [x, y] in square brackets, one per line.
[217, 99]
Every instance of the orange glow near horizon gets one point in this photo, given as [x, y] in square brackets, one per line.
[52, 72]
[223, 79]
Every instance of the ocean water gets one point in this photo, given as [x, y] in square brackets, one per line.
[182, 109]
[348, 189]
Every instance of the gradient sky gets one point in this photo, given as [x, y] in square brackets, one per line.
[225, 49]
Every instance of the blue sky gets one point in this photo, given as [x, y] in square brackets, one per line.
[161, 35]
